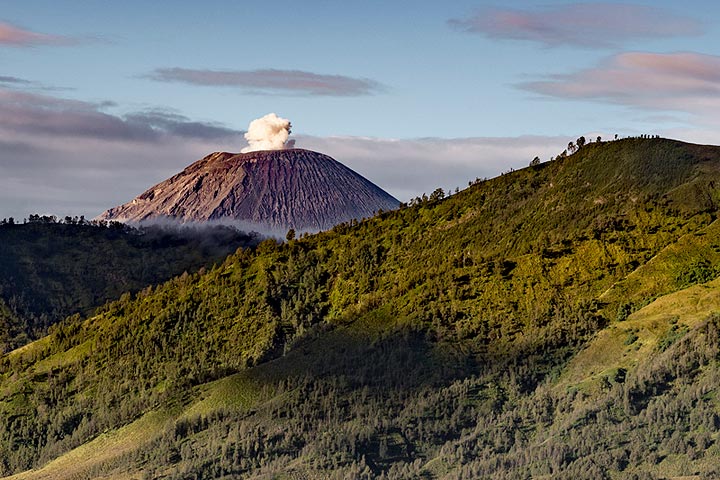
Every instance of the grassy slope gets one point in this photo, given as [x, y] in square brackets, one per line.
[503, 267]
[628, 343]
[95, 458]
[102, 449]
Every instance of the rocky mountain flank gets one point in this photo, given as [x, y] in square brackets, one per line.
[270, 190]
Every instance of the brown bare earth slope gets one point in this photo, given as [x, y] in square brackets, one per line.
[271, 190]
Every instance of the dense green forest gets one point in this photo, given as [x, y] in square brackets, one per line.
[50, 268]
[559, 321]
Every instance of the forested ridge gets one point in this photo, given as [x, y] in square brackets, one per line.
[554, 322]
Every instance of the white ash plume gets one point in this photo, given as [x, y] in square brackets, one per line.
[268, 133]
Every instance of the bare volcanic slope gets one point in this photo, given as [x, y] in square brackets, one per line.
[274, 190]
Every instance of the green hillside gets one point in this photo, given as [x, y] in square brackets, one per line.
[50, 270]
[554, 322]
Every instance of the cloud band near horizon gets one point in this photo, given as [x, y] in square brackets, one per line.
[67, 157]
[48, 175]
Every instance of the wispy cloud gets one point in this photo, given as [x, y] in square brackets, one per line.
[589, 25]
[170, 123]
[683, 82]
[271, 81]
[10, 81]
[14, 36]
[32, 113]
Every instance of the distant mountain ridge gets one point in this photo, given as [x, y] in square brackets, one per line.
[273, 190]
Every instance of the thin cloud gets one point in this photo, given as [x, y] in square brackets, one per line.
[7, 80]
[589, 25]
[14, 36]
[179, 125]
[682, 82]
[271, 81]
[32, 113]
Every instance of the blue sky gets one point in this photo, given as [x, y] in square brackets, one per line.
[99, 100]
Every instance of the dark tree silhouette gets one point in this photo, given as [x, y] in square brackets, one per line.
[438, 194]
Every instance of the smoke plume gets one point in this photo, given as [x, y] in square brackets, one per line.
[268, 133]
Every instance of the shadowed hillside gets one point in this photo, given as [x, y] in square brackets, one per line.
[554, 322]
[50, 270]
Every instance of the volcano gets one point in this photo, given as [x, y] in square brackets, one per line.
[272, 190]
